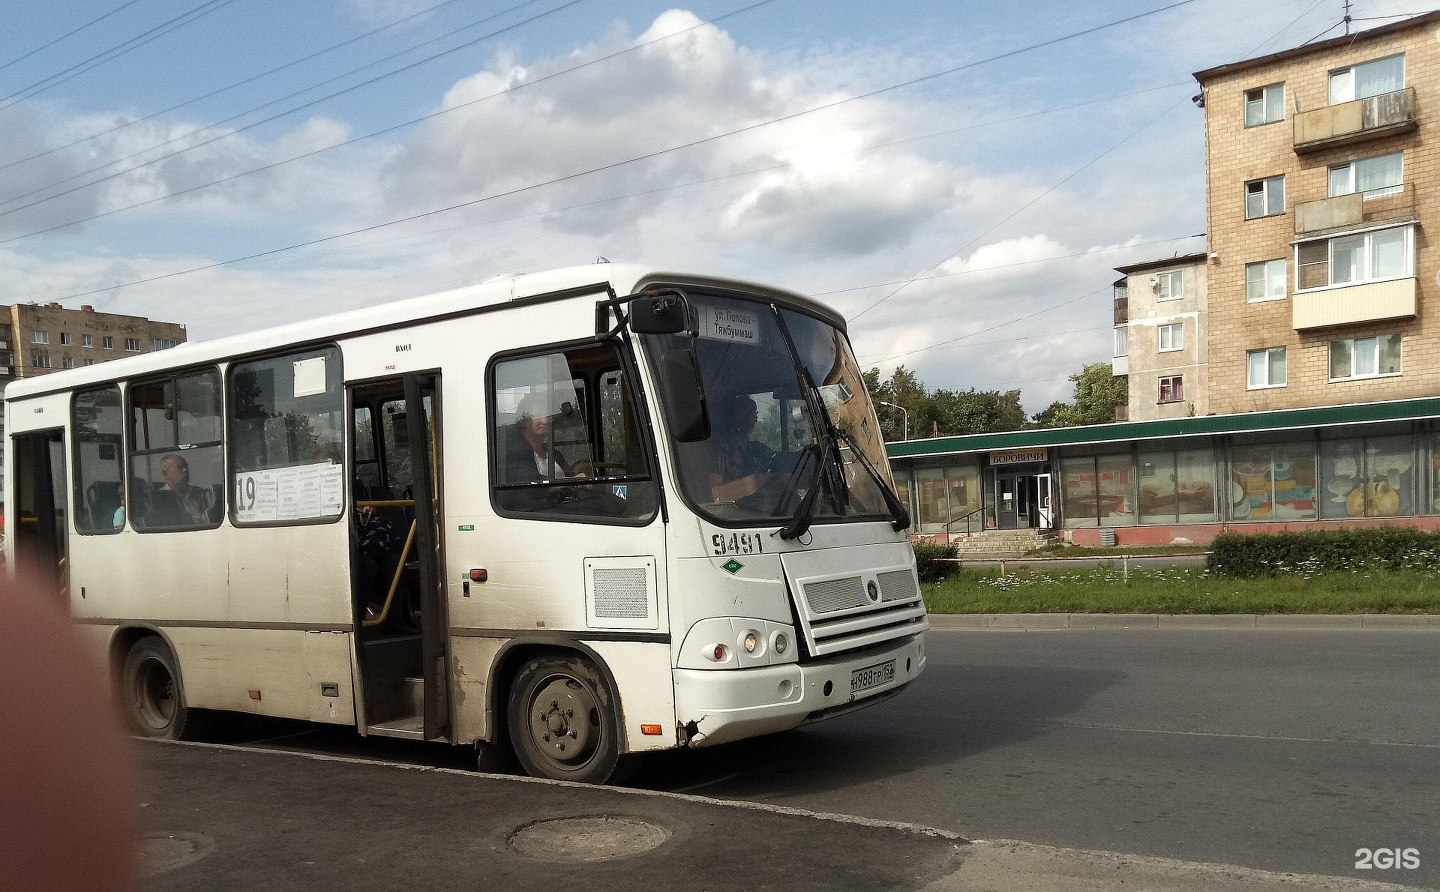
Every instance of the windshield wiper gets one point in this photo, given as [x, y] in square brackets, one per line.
[805, 511]
[898, 511]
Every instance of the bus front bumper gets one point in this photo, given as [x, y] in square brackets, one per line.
[726, 705]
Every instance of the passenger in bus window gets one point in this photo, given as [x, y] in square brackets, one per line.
[528, 456]
[119, 519]
[737, 456]
[192, 503]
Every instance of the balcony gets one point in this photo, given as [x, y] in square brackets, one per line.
[1120, 365]
[1354, 210]
[1349, 122]
[1122, 310]
[1350, 304]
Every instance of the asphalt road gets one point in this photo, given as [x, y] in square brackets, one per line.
[1276, 750]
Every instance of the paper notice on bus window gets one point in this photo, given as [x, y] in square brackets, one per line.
[741, 325]
[310, 376]
[284, 494]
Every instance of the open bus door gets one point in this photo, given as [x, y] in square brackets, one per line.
[41, 523]
[399, 602]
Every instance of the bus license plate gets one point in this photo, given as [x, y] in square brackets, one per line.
[872, 676]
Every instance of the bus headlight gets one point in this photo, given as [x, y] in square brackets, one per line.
[781, 643]
[750, 641]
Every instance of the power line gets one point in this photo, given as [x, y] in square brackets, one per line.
[617, 164]
[274, 117]
[240, 83]
[114, 52]
[70, 33]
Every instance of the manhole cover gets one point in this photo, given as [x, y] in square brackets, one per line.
[160, 852]
[595, 838]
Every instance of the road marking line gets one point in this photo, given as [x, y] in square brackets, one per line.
[1088, 726]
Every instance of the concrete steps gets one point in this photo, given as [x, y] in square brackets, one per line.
[995, 544]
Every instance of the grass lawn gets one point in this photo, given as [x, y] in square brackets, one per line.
[1180, 590]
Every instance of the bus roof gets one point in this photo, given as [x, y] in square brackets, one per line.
[494, 292]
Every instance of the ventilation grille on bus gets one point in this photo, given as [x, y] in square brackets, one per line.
[853, 612]
[836, 594]
[621, 594]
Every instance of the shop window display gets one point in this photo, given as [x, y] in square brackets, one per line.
[1273, 483]
[1077, 492]
[1115, 490]
[1369, 478]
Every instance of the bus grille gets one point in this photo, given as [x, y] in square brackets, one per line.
[840, 614]
[621, 593]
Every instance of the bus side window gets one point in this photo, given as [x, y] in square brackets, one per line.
[176, 457]
[99, 425]
[565, 441]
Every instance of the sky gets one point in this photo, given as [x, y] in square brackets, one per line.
[958, 178]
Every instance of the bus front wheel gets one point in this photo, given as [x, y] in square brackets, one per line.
[150, 688]
[564, 723]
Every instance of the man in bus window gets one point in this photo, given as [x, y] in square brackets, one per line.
[528, 456]
[737, 456]
[192, 502]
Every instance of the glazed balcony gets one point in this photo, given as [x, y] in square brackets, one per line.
[1352, 304]
[1351, 122]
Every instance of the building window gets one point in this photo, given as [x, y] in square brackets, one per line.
[1265, 105]
[1266, 368]
[1168, 286]
[1265, 280]
[1122, 340]
[132, 345]
[1365, 357]
[89, 362]
[67, 363]
[40, 360]
[1376, 177]
[1172, 337]
[1369, 79]
[87, 340]
[1265, 197]
[65, 339]
[1353, 259]
[163, 343]
[107, 342]
[1172, 389]
[39, 337]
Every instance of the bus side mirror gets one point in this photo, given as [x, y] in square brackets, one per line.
[683, 396]
[660, 312]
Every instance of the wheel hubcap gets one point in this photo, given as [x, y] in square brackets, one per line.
[154, 694]
[565, 721]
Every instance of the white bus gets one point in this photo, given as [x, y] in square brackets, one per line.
[587, 513]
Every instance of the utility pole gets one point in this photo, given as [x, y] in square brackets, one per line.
[906, 435]
[1347, 18]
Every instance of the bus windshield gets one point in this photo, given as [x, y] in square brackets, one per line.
[787, 411]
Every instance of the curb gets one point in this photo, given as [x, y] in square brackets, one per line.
[1054, 622]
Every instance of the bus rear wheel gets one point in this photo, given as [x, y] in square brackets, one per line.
[150, 691]
[563, 721]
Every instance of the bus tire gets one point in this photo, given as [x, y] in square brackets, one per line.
[563, 721]
[150, 691]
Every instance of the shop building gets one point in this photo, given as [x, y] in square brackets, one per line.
[1182, 480]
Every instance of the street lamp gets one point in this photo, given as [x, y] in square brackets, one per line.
[906, 435]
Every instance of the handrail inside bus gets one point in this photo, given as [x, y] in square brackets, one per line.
[399, 570]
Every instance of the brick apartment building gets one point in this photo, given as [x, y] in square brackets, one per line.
[1160, 325]
[37, 339]
[1322, 174]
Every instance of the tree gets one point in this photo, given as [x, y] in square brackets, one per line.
[941, 412]
[1098, 390]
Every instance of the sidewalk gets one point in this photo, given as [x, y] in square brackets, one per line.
[1036, 622]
